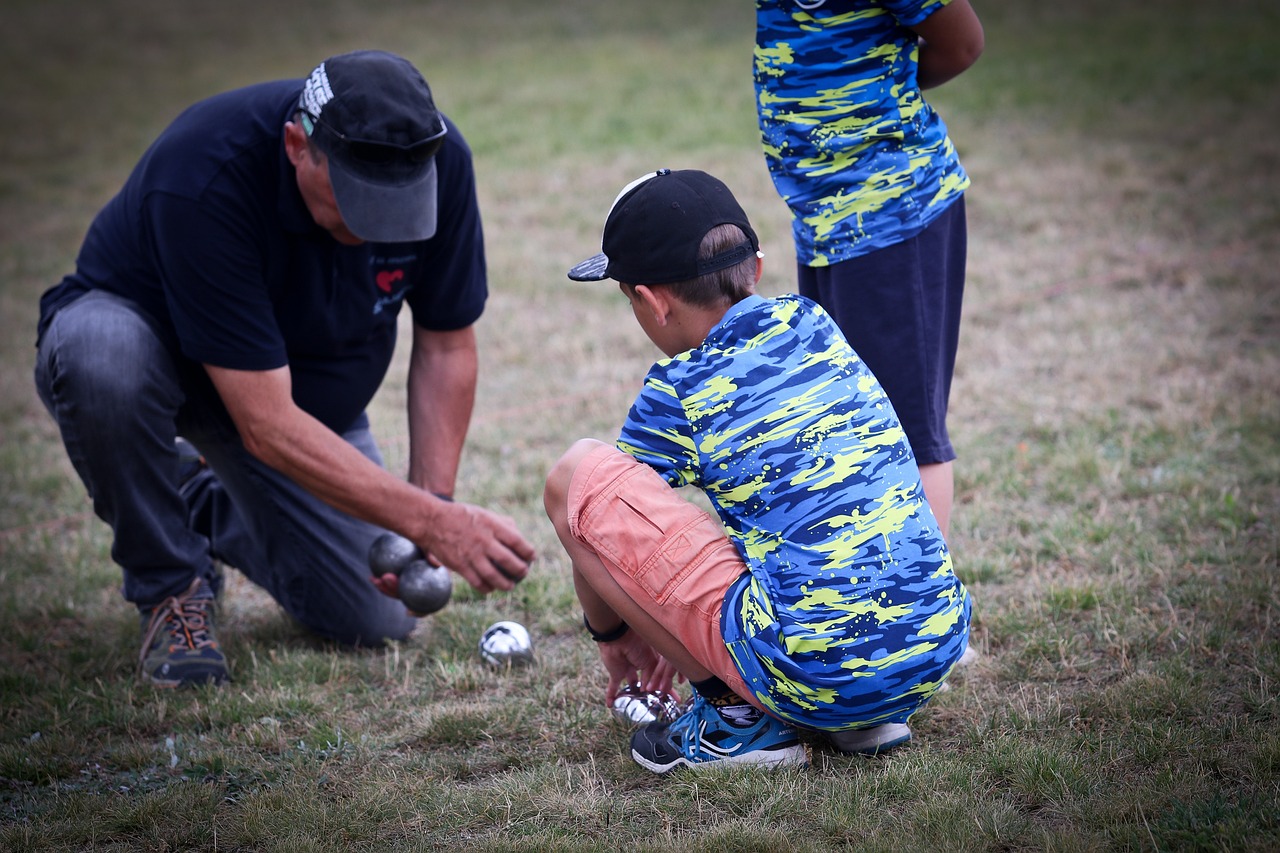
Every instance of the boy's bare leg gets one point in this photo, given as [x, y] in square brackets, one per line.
[603, 600]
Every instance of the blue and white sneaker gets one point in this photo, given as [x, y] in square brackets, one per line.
[701, 737]
[870, 741]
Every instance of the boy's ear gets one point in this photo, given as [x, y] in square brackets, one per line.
[759, 266]
[657, 301]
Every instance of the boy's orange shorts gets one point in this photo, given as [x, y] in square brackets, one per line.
[669, 555]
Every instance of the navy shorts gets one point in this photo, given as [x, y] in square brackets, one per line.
[900, 309]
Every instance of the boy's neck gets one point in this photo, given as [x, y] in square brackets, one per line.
[673, 324]
[697, 322]
[687, 325]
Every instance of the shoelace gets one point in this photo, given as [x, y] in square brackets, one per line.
[693, 724]
[191, 628]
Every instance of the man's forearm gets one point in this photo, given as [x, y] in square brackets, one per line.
[485, 549]
[278, 433]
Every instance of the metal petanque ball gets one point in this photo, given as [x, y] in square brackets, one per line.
[391, 553]
[425, 588]
[636, 707]
[506, 644]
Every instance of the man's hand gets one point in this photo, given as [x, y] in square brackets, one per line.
[483, 547]
[388, 584]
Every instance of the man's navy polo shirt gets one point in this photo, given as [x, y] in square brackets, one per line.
[211, 238]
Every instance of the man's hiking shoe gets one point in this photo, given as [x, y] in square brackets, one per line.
[178, 645]
[871, 741]
[702, 737]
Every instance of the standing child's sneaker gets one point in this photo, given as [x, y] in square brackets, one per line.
[178, 644]
[870, 741]
[701, 737]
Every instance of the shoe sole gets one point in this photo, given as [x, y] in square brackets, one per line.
[787, 756]
[173, 684]
[217, 677]
[870, 741]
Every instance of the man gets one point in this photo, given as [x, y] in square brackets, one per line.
[241, 291]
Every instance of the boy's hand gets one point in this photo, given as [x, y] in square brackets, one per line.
[631, 660]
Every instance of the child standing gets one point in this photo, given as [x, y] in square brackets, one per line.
[876, 190]
[826, 601]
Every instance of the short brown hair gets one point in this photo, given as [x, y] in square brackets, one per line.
[732, 284]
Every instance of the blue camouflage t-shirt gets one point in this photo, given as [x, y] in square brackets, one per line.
[850, 614]
[854, 149]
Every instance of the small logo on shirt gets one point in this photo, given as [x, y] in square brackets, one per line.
[393, 286]
[386, 278]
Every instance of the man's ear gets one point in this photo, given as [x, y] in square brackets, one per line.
[656, 300]
[759, 265]
[295, 142]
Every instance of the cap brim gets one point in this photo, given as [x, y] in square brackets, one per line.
[384, 213]
[594, 268]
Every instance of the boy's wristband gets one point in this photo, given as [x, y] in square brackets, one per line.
[608, 636]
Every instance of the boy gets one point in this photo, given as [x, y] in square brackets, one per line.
[876, 190]
[827, 601]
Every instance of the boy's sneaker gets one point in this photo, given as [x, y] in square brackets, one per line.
[871, 741]
[701, 737]
[178, 645]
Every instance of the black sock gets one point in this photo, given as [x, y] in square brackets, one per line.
[731, 707]
[712, 689]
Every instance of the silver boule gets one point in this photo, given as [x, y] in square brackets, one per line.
[391, 553]
[636, 707]
[425, 588]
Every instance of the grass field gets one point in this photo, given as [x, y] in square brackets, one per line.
[1116, 409]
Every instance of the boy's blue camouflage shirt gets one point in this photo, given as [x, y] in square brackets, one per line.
[854, 149]
[850, 614]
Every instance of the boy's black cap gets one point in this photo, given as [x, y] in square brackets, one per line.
[656, 226]
[372, 114]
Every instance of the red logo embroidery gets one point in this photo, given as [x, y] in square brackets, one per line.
[386, 278]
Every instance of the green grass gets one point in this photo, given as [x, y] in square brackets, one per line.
[1115, 410]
